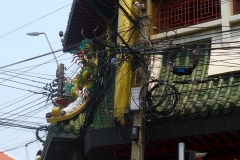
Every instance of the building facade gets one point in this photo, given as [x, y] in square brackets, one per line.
[200, 109]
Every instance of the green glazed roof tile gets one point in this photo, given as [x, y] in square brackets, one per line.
[226, 110]
[213, 97]
[72, 125]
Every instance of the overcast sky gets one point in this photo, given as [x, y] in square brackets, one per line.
[17, 19]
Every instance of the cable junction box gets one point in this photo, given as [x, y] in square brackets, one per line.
[135, 98]
[135, 133]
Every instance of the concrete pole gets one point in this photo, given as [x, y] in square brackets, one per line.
[60, 76]
[181, 149]
[138, 147]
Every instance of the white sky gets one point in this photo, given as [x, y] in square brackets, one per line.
[17, 46]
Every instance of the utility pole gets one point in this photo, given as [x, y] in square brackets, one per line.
[138, 147]
[60, 77]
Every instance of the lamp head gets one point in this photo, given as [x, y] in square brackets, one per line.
[194, 155]
[61, 33]
[33, 34]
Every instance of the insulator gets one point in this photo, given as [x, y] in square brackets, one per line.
[54, 95]
[54, 90]
[54, 84]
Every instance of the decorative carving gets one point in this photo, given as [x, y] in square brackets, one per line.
[78, 89]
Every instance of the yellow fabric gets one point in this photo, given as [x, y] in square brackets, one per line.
[122, 92]
[123, 80]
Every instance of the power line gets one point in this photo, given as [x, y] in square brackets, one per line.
[15, 99]
[25, 105]
[34, 21]
[37, 65]
[37, 110]
[20, 145]
[20, 115]
[22, 78]
[22, 83]
[22, 73]
[19, 69]
[29, 59]
[22, 89]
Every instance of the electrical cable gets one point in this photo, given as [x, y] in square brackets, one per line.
[29, 59]
[22, 73]
[15, 100]
[20, 121]
[12, 139]
[7, 70]
[22, 89]
[27, 70]
[39, 56]
[27, 156]
[37, 133]
[35, 66]
[22, 83]
[90, 114]
[29, 107]
[8, 126]
[24, 106]
[34, 21]
[37, 142]
[20, 145]
[22, 78]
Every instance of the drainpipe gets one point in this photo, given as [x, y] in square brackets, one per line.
[181, 148]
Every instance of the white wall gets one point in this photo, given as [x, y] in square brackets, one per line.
[224, 35]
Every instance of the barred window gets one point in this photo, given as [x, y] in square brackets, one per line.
[174, 14]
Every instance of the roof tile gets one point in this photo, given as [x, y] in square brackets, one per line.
[213, 97]
[5, 156]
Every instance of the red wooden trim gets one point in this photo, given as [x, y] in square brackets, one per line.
[174, 14]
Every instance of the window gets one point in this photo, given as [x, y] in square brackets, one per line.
[236, 7]
[174, 14]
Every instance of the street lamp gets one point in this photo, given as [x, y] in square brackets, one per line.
[37, 34]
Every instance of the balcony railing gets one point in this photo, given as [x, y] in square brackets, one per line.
[174, 14]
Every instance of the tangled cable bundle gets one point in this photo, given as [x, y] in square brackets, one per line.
[37, 132]
[161, 98]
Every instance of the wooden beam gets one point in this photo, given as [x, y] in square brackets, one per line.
[103, 42]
